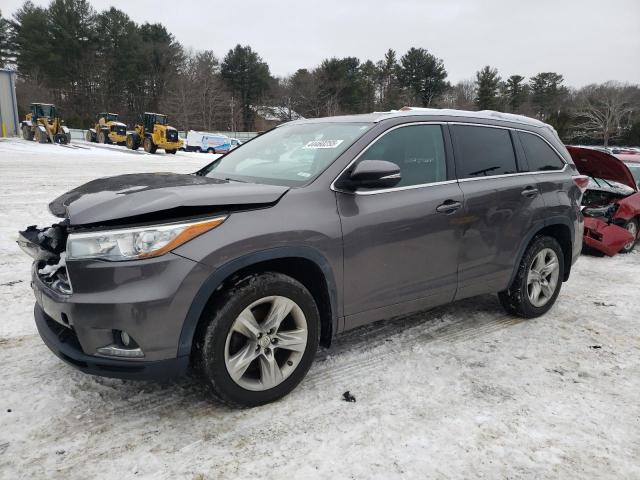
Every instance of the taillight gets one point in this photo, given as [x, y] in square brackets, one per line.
[581, 181]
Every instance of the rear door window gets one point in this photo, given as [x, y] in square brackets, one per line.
[483, 151]
[540, 156]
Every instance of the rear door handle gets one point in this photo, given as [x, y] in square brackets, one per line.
[448, 207]
[530, 192]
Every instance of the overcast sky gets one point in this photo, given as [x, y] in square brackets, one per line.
[585, 40]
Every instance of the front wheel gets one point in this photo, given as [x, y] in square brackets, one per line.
[27, 134]
[149, 146]
[537, 284]
[632, 227]
[258, 340]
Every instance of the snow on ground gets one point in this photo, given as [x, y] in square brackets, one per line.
[462, 391]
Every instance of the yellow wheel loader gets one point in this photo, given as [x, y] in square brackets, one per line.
[152, 133]
[44, 125]
[107, 130]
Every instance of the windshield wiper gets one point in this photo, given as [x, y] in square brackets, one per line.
[229, 179]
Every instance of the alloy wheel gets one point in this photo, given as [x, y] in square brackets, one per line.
[542, 278]
[266, 343]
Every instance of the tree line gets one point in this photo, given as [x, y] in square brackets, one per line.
[86, 61]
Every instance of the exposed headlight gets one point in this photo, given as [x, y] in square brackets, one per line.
[136, 243]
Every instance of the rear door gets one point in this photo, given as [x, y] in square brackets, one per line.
[401, 244]
[501, 206]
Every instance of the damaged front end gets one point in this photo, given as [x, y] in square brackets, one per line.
[604, 204]
[47, 247]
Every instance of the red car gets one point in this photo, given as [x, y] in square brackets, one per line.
[611, 203]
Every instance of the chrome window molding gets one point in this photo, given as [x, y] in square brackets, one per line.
[392, 189]
[517, 174]
[444, 182]
[515, 129]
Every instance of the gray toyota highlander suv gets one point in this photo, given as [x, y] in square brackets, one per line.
[240, 270]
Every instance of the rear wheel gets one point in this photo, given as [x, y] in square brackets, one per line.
[211, 150]
[632, 227]
[149, 146]
[88, 136]
[172, 151]
[259, 340]
[537, 283]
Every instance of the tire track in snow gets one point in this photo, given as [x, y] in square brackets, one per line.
[402, 344]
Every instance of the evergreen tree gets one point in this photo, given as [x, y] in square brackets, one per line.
[487, 82]
[546, 92]
[247, 76]
[423, 74]
[6, 53]
[516, 92]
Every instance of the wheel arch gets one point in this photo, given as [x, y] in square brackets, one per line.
[559, 228]
[305, 264]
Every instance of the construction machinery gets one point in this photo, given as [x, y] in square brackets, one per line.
[153, 132]
[43, 124]
[107, 130]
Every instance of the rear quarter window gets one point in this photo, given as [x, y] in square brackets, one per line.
[483, 151]
[540, 156]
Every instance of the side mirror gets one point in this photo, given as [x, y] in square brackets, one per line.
[374, 174]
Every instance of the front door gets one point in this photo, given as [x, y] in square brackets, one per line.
[401, 245]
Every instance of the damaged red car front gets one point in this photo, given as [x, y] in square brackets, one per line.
[611, 203]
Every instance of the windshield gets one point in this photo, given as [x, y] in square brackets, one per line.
[161, 119]
[45, 111]
[635, 170]
[291, 155]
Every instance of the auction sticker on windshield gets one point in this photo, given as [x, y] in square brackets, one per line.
[323, 144]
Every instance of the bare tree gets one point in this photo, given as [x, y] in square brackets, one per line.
[604, 110]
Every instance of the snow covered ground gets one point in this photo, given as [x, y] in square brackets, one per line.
[463, 391]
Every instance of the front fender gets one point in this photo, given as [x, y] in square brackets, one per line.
[228, 269]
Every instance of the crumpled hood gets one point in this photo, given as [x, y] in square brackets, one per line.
[599, 164]
[135, 195]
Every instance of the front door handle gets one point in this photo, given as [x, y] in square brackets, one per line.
[530, 192]
[448, 207]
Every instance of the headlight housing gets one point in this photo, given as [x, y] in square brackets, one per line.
[136, 243]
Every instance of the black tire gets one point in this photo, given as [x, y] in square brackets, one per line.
[217, 320]
[149, 146]
[88, 136]
[103, 136]
[631, 225]
[171, 151]
[515, 300]
[133, 141]
[63, 138]
[27, 133]
[211, 150]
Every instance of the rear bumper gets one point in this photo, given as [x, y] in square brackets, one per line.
[64, 344]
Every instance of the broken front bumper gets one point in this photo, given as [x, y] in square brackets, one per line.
[64, 343]
[605, 237]
[147, 299]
